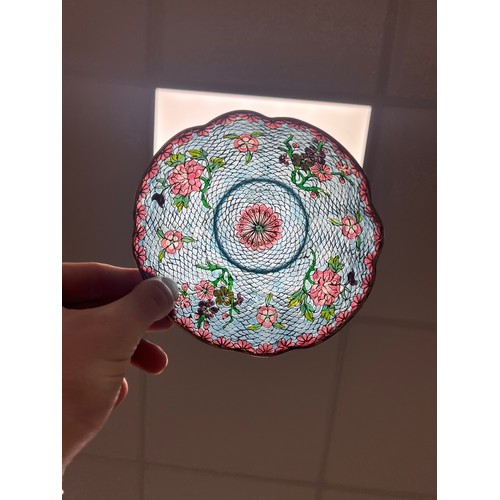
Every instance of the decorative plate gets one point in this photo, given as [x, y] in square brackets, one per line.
[266, 224]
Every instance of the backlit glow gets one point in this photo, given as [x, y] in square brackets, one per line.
[176, 110]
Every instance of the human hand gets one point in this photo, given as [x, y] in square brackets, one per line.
[106, 311]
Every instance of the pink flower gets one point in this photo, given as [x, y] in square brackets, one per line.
[369, 262]
[140, 232]
[265, 349]
[185, 178]
[267, 316]
[326, 287]
[297, 126]
[172, 241]
[165, 153]
[322, 172]
[318, 135]
[226, 120]
[369, 211]
[259, 227]
[186, 323]
[184, 287]
[140, 254]
[378, 238]
[273, 123]
[150, 272]
[153, 170]
[243, 345]
[222, 342]
[367, 283]
[144, 188]
[350, 227]
[344, 167]
[182, 139]
[201, 131]
[342, 317]
[363, 192]
[204, 290]
[305, 339]
[356, 301]
[183, 301]
[246, 143]
[141, 211]
[284, 344]
[204, 332]
[225, 315]
[314, 195]
[324, 332]
[248, 117]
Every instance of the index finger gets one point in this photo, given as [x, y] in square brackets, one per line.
[89, 284]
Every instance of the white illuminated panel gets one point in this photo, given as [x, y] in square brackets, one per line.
[176, 110]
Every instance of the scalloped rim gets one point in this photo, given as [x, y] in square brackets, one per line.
[374, 215]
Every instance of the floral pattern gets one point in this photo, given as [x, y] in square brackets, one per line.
[351, 227]
[267, 316]
[245, 143]
[171, 242]
[223, 294]
[258, 227]
[192, 171]
[218, 306]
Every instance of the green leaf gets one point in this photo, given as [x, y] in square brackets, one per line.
[201, 319]
[335, 265]
[335, 222]
[248, 157]
[195, 153]
[161, 255]
[254, 327]
[218, 160]
[358, 242]
[187, 239]
[231, 136]
[358, 217]
[215, 163]
[307, 311]
[160, 233]
[281, 326]
[327, 312]
[181, 201]
[320, 145]
[269, 298]
[176, 159]
[255, 134]
[309, 316]
[297, 298]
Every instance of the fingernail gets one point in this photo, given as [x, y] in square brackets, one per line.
[172, 285]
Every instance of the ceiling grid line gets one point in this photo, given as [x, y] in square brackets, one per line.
[337, 377]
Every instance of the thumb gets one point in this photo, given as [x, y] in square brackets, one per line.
[130, 316]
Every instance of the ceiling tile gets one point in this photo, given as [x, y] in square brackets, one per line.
[347, 495]
[307, 48]
[384, 433]
[107, 144]
[102, 479]
[401, 168]
[162, 482]
[107, 38]
[231, 412]
[126, 420]
[413, 63]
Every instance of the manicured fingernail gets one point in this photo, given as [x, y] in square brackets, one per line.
[172, 285]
